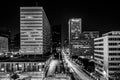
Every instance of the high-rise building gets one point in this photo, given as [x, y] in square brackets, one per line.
[6, 33]
[35, 69]
[35, 32]
[74, 29]
[87, 43]
[17, 42]
[74, 35]
[35, 39]
[3, 44]
[56, 37]
[107, 55]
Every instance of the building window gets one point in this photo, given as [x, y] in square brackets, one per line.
[99, 65]
[32, 23]
[24, 35]
[114, 49]
[2, 68]
[23, 32]
[26, 29]
[33, 42]
[31, 45]
[114, 69]
[38, 38]
[8, 67]
[36, 35]
[98, 48]
[100, 57]
[40, 13]
[114, 59]
[98, 44]
[100, 40]
[114, 39]
[31, 10]
[31, 19]
[34, 32]
[111, 74]
[113, 44]
[100, 69]
[101, 53]
[114, 64]
[114, 54]
[102, 62]
[24, 38]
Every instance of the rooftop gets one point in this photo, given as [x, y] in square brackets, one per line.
[112, 33]
[25, 58]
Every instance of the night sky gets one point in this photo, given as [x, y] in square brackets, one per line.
[96, 16]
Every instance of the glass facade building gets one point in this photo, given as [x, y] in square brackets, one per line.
[74, 35]
[107, 54]
[35, 32]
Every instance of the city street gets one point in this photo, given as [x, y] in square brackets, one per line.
[52, 67]
[75, 68]
[59, 40]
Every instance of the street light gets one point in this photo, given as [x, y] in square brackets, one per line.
[2, 69]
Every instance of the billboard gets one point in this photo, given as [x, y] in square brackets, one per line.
[74, 29]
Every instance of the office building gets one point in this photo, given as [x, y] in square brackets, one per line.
[107, 55]
[29, 69]
[3, 44]
[87, 43]
[35, 36]
[6, 33]
[75, 29]
[74, 25]
[56, 37]
[91, 34]
[32, 67]
[35, 32]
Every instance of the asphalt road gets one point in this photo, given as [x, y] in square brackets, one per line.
[76, 70]
[52, 67]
